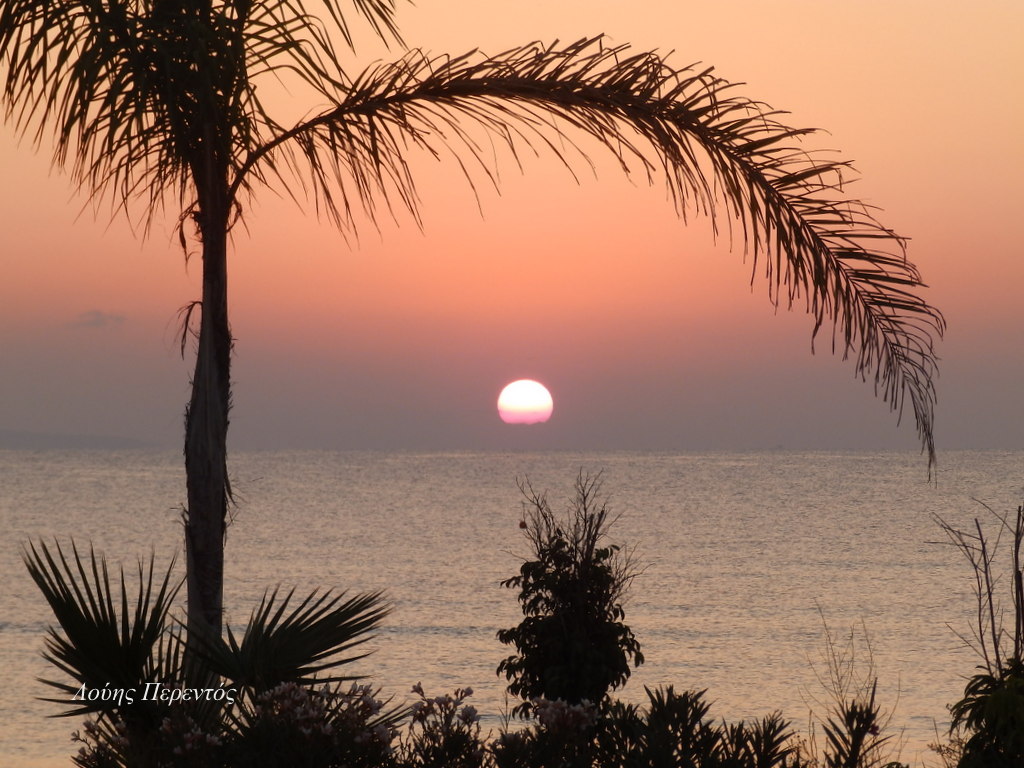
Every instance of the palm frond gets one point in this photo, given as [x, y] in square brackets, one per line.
[380, 14]
[103, 643]
[678, 727]
[852, 733]
[294, 646]
[765, 743]
[138, 93]
[721, 154]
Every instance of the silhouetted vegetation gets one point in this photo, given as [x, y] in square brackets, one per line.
[572, 644]
[262, 700]
[987, 728]
[278, 696]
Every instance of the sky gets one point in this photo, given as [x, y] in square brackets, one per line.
[648, 333]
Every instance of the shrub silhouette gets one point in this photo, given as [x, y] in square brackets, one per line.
[988, 722]
[572, 643]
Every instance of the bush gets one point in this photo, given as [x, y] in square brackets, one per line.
[674, 731]
[562, 735]
[854, 723]
[572, 644]
[987, 729]
[444, 732]
[296, 726]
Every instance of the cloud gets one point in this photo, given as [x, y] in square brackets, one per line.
[95, 318]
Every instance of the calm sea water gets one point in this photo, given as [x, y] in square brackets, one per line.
[747, 555]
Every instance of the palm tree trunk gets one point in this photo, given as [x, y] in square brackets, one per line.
[206, 427]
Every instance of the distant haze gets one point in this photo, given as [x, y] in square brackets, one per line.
[647, 332]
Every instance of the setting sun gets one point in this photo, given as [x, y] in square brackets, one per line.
[525, 402]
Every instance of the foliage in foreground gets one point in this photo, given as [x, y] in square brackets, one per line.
[573, 647]
[987, 728]
[572, 643]
[258, 700]
[275, 698]
[675, 730]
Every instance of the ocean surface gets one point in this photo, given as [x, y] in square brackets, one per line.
[747, 557]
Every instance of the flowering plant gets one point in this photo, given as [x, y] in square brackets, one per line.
[444, 732]
[296, 725]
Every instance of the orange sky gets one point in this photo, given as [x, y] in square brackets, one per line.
[647, 332]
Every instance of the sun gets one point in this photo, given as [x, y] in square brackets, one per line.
[525, 402]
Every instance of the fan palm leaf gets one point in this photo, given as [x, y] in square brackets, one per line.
[296, 644]
[103, 643]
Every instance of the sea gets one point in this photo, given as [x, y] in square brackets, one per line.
[755, 567]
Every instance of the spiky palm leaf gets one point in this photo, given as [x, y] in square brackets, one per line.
[103, 643]
[853, 733]
[678, 730]
[296, 645]
[991, 715]
[768, 743]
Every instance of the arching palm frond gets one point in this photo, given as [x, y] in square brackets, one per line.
[720, 153]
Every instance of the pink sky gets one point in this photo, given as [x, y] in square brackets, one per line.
[647, 333]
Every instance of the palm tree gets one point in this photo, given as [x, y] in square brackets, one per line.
[158, 99]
